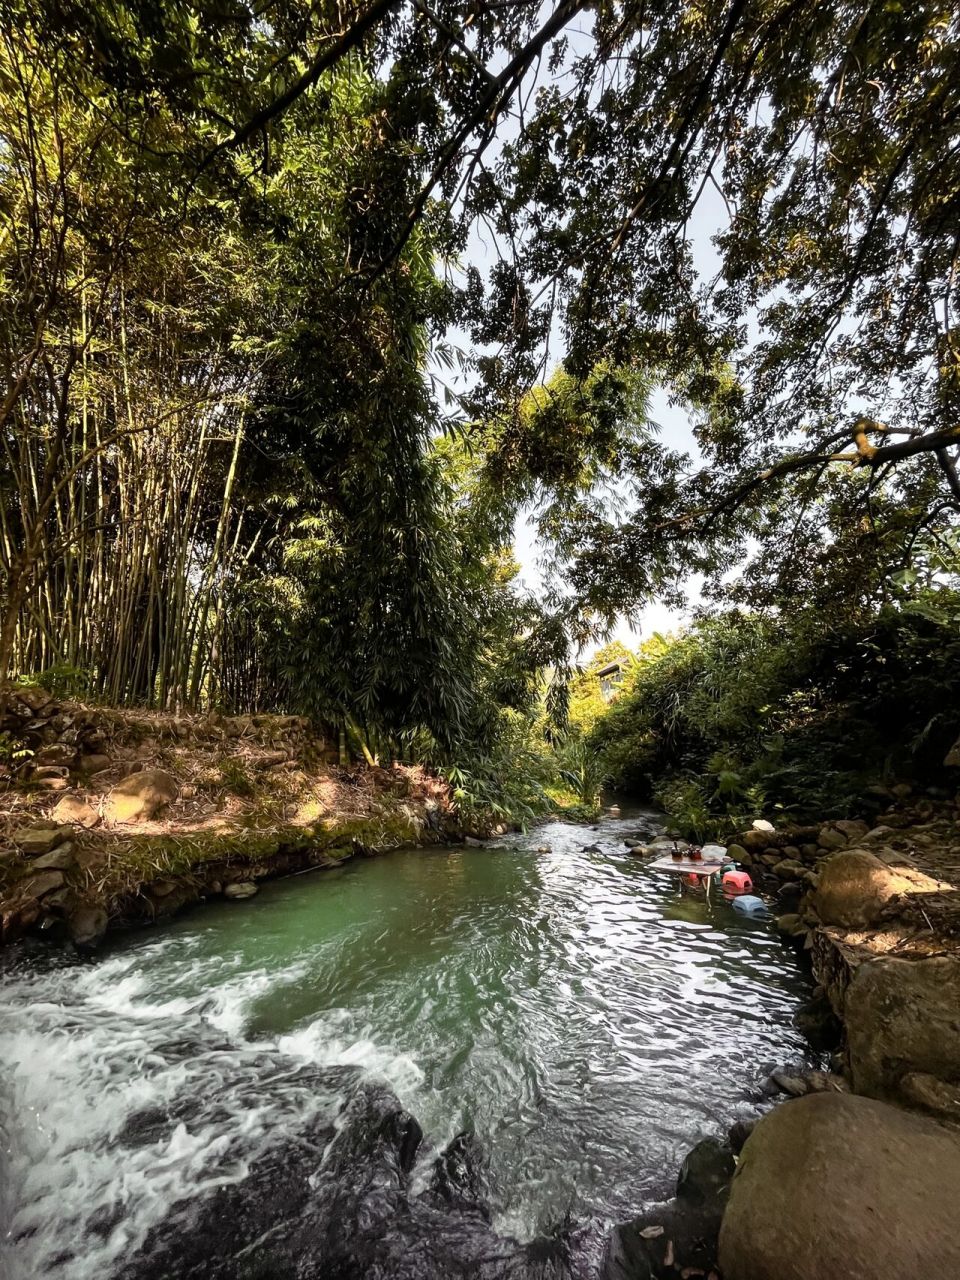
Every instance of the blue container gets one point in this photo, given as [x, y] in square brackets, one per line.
[750, 905]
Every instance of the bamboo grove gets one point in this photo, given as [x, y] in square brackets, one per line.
[218, 486]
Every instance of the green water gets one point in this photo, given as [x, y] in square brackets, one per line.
[583, 1019]
[586, 1021]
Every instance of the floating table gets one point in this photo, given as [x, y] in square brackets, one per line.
[686, 866]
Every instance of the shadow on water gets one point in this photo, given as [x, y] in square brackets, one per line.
[567, 1008]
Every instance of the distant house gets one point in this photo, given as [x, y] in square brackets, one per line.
[611, 677]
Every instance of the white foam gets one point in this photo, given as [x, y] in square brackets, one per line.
[87, 1047]
[333, 1040]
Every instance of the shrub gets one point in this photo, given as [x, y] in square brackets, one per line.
[744, 711]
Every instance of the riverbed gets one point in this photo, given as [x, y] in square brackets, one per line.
[585, 1021]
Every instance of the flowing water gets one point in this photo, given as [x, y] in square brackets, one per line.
[571, 1009]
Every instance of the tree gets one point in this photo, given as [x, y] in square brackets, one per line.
[202, 413]
[826, 137]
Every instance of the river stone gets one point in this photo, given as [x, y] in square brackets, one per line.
[96, 762]
[665, 844]
[789, 869]
[34, 841]
[33, 700]
[15, 921]
[330, 1196]
[818, 1022]
[48, 782]
[63, 858]
[753, 841]
[791, 925]
[903, 1016]
[930, 1094]
[37, 886]
[877, 834]
[86, 926]
[833, 1185]
[76, 811]
[789, 894]
[240, 889]
[57, 753]
[706, 1172]
[739, 1132]
[678, 1238]
[800, 1084]
[854, 888]
[831, 839]
[141, 796]
[61, 901]
[852, 828]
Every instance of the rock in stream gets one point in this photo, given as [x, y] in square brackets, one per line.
[352, 1196]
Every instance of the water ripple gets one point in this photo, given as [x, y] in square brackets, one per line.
[585, 1020]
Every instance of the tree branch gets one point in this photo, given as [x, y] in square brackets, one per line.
[330, 56]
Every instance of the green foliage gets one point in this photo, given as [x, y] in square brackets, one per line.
[507, 784]
[230, 263]
[581, 768]
[743, 713]
[587, 700]
[61, 681]
[268, 523]
[14, 752]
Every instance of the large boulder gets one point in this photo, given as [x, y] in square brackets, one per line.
[855, 886]
[834, 1185]
[333, 1196]
[902, 1017]
[140, 797]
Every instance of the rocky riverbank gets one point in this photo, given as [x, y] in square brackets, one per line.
[115, 817]
[855, 1174]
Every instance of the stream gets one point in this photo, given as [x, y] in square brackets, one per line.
[241, 1093]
